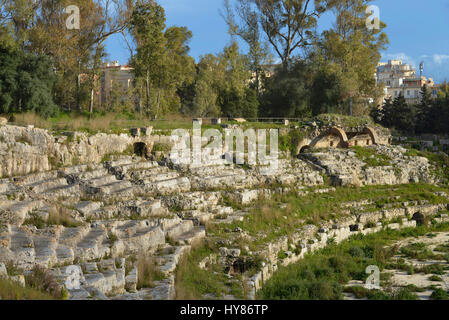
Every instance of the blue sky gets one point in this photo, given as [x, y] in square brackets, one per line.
[418, 31]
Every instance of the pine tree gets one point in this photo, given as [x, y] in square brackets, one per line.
[425, 119]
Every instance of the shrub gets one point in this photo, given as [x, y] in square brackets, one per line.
[356, 252]
[61, 216]
[435, 278]
[147, 272]
[43, 280]
[439, 294]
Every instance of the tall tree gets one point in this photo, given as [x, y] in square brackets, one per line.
[26, 83]
[147, 27]
[352, 51]
[287, 25]
[249, 31]
[177, 68]
[287, 93]
[426, 118]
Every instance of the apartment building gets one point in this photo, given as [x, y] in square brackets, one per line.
[115, 76]
[400, 78]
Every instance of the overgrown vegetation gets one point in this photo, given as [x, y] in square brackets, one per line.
[40, 285]
[192, 282]
[440, 162]
[57, 216]
[147, 271]
[322, 275]
[371, 157]
[267, 221]
[10, 290]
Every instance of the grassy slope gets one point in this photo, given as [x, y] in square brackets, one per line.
[268, 222]
[321, 275]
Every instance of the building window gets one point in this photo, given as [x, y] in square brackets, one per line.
[408, 93]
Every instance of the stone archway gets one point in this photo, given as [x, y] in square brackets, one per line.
[341, 134]
[324, 139]
[141, 149]
[420, 219]
[372, 134]
[304, 149]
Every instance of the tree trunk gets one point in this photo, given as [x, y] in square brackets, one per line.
[159, 93]
[91, 105]
[148, 103]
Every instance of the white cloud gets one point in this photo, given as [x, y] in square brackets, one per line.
[439, 58]
[406, 59]
[436, 65]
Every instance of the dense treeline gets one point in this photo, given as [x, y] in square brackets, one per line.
[429, 116]
[46, 67]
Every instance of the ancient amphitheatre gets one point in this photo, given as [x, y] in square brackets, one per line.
[107, 216]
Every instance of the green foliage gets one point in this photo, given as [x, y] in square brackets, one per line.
[435, 278]
[26, 83]
[439, 294]
[370, 157]
[336, 264]
[287, 92]
[325, 93]
[396, 114]
[359, 292]
[10, 290]
[161, 147]
[428, 116]
[349, 52]
[235, 105]
[43, 280]
[148, 272]
[192, 282]
[291, 141]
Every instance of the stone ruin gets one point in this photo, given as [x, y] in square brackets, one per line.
[336, 137]
[120, 205]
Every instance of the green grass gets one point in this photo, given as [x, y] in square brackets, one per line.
[439, 294]
[344, 120]
[418, 251]
[439, 160]
[322, 275]
[10, 290]
[371, 157]
[359, 292]
[267, 221]
[147, 272]
[435, 278]
[40, 285]
[192, 282]
[161, 147]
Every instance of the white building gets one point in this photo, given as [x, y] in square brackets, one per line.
[114, 74]
[400, 78]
